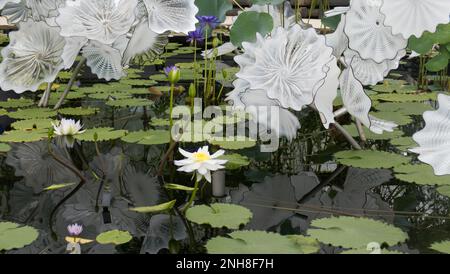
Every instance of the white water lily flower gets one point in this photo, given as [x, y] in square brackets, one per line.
[201, 162]
[290, 65]
[413, 17]
[68, 127]
[33, 57]
[174, 15]
[434, 139]
[100, 20]
[368, 36]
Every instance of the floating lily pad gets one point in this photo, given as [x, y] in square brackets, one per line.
[373, 136]
[110, 96]
[151, 137]
[370, 159]
[16, 236]
[408, 108]
[396, 117]
[160, 122]
[307, 244]
[365, 251]
[239, 143]
[395, 97]
[219, 215]
[103, 134]
[253, 242]
[403, 143]
[4, 147]
[22, 136]
[32, 113]
[33, 124]
[3, 112]
[78, 111]
[116, 237]
[443, 247]
[421, 174]
[444, 190]
[351, 232]
[138, 82]
[235, 161]
[132, 102]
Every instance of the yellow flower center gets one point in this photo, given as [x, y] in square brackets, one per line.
[201, 157]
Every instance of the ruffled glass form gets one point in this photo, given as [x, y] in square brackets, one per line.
[33, 57]
[434, 139]
[104, 61]
[174, 15]
[100, 20]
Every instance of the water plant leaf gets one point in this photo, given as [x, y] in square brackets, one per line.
[16, 103]
[132, 102]
[248, 24]
[156, 208]
[179, 187]
[110, 96]
[370, 159]
[3, 112]
[396, 117]
[438, 62]
[307, 244]
[253, 242]
[13, 235]
[33, 124]
[100, 134]
[235, 161]
[219, 215]
[4, 147]
[373, 136]
[351, 232]
[421, 174]
[240, 143]
[407, 108]
[395, 97]
[216, 8]
[150, 137]
[32, 113]
[403, 143]
[443, 247]
[79, 111]
[365, 251]
[22, 136]
[58, 186]
[444, 190]
[116, 237]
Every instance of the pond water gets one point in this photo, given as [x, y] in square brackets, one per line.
[342, 189]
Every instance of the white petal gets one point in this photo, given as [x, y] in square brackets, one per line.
[104, 61]
[72, 49]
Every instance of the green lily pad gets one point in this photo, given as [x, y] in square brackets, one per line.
[32, 113]
[138, 82]
[365, 251]
[248, 24]
[444, 190]
[407, 108]
[16, 103]
[307, 244]
[22, 136]
[373, 136]
[151, 137]
[78, 111]
[396, 117]
[116, 237]
[443, 247]
[103, 134]
[110, 96]
[160, 122]
[3, 112]
[253, 242]
[235, 161]
[239, 143]
[4, 147]
[219, 215]
[16, 236]
[33, 124]
[421, 174]
[351, 232]
[370, 159]
[395, 97]
[132, 102]
[403, 143]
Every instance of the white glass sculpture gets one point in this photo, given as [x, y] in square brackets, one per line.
[104, 61]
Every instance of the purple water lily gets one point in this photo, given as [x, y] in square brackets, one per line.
[169, 69]
[75, 229]
[210, 22]
[195, 36]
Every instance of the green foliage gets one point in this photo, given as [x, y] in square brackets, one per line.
[370, 159]
[22, 136]
[233, 145]
[373, 136]
[421, 174]
[154, 209]
[132, 102]
[33, 124]
[219, 215]
[235, 161]
[79, 111]
[216, 8]
[100, 134]
[16, 236]
[116, 237]
[32, 113]
[351, 232]
[151, 137]
[443, 247]
[248, 24]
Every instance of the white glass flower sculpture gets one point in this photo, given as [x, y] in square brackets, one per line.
[104, 61]
[72, 49]
[100, 20]
[368, 36]
[37, 10]
[68, 127]
[290, 65]
[33, 57]
[338, 40]
[434, 139]
[413, 17]
[4, 2]
[201, 162]
[15, 12]
[174, 15]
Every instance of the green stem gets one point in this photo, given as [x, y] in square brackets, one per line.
[172, 90]
[205, 73]
[191, 199]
